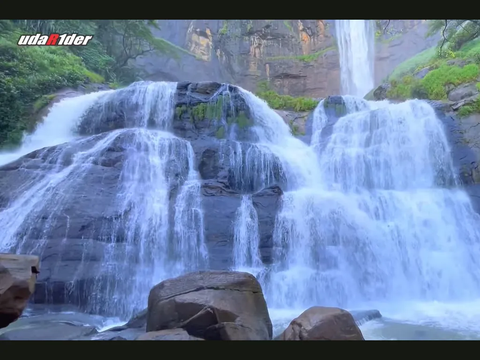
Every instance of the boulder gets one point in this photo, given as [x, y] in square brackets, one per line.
[169, 334]
[212, 305]
[323, 323]
[462, 92]
[18, 274]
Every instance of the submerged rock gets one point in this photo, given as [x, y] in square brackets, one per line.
[49, 331]
[212, 305]
[363, 316]
[169, 334]
[323, 323]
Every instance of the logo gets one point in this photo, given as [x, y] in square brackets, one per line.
[54, 40]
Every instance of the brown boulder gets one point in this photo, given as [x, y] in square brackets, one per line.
[170, 334]
[213, 305]
[18, 274]
[323, 323]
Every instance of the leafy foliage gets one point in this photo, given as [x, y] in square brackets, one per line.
[286, 102]
[444, 66]
[28, 75]
[455, 33]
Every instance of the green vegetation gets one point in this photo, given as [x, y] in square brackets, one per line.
[470, 108]
[249, 26]
[305, 58]
[213, 111]
[445, 68]
[413, 64]
[339, 109]
[285, 102]
[220, 133]
[295, 129]
[241, 120]
[288, 26]
[224, 29]
[29, 75]
[42, 102]
[202, 111]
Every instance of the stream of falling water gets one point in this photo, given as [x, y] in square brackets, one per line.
[356, 47]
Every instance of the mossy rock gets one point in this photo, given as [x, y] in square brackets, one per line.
[335, 105]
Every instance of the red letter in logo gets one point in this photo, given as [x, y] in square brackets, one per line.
[52, 40]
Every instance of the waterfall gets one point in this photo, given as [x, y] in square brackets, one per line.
[371, 212]
[356, 47]
[374, 216]
[154, 228]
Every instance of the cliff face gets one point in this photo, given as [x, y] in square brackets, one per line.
[297, 57]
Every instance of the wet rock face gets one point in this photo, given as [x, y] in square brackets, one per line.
[81, 222]
[298, 57]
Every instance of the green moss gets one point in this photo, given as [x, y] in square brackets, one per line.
[304, 58]
[180, 110]
[224, 29]
[202, 111]
[220, 133]
[478, 86]
[276, 101]
[287, 102]
[295, 129]
[433, 85]
[288, 26]
[42, 102]
[434, 82]
[241, 120]
[469, 109]
[214, 110]
[198, 112]
[339, 109]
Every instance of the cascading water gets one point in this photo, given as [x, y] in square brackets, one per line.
[356, 46]
[371, 215]
[378, 220]
[246, 238]
[154, 229]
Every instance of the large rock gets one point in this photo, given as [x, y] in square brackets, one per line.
[212, 305]
[462, 92]
[323, 323]
[18, 274]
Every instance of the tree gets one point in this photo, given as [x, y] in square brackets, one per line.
[455, 33]
[116, 43]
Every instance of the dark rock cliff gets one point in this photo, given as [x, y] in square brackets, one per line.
[298, 57]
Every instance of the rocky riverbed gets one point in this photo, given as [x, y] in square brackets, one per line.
[213, 305]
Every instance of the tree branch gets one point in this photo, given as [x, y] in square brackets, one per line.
[443, 34]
